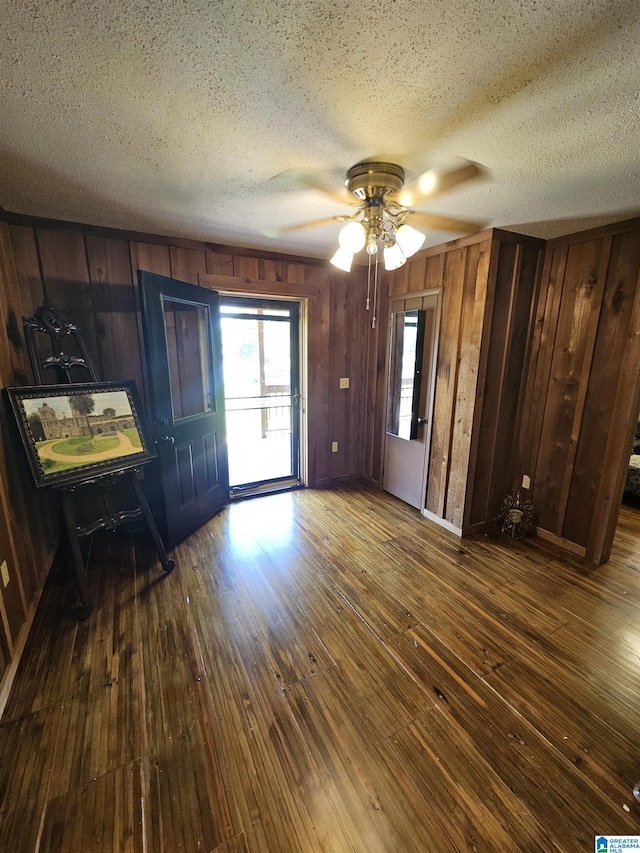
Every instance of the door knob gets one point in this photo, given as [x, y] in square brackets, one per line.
[422, 420]
[166, 439]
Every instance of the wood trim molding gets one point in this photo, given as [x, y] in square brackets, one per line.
[593, 233]
[251, 286]
[9, 674]
[143, 237]
[441, 522]
[564, 544]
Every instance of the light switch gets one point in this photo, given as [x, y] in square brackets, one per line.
[344, 382]
[526, 482]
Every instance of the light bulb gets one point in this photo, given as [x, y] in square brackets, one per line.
[352, 237]
[393, 257]
[372, 244]
[343, 259]
[409, 240]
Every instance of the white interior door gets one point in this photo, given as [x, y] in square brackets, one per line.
[410, 379]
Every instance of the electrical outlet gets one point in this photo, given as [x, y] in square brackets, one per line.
[526, 481]
[4, 571]
[334, 446]
[344, 381]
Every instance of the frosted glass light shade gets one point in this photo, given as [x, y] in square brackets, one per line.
[409, 240]
[343, 259]
[393, 257]
[352, 237]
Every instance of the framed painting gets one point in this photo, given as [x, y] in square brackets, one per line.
[73, 433]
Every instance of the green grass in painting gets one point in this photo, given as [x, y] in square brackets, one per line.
[134, 438]
[82, 445]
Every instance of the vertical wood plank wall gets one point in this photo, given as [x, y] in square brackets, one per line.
[90, 276]
[488, 284]
[539, 380]
[582, 389]
[28, 521]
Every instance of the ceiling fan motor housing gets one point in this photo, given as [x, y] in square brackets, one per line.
[373, 180]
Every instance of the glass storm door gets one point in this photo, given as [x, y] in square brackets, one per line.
[184, 363]
[262, 399]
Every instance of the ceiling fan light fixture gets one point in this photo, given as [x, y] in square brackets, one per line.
[409, 240]
[343, 259]
[393, 256]
[352, 237]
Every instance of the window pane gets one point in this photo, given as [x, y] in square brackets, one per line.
[187, 330]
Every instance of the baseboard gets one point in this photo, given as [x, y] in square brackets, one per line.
[564, 544]
[442, 522]
[370, 481]
[327, 482]
[478, 527]
[6, 683]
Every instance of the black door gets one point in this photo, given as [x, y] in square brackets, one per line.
[181, 325]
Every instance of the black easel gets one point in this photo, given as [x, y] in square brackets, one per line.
[62, 335]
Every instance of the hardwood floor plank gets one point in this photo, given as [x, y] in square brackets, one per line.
[237, 844]
[328, 672]
[529, 615]
[520, 754]
[360, 573]
[42, 673]
[366, 781]
[26, 750]
[592, 741]
[461, 785]
[105, 815]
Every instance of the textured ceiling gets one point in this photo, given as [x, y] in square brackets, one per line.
[171, 117]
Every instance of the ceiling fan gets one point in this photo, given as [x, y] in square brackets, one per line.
[383, 206]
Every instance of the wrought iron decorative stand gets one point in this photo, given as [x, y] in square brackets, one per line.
[45, 320]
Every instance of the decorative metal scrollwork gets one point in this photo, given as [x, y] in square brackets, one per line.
[516, 516]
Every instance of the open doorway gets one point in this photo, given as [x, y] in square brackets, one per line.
[261, 359]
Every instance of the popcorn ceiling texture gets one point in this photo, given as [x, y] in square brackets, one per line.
[171, 117]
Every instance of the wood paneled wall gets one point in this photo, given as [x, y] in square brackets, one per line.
[543, 381]
[90, 276]
[28, 519]
[487, 286]
[582, 390]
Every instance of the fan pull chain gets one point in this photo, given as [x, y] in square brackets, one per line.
[368, 285]
[375, 292]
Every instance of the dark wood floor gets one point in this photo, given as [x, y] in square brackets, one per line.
[328, 671]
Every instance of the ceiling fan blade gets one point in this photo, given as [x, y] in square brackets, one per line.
[294, 179]
[434, 222]
[300, 226]
[433, 183]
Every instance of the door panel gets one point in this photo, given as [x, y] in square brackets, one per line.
[412, 355]
[186, 474]
[184, 358]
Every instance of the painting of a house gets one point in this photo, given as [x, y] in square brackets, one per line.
[55, 425]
